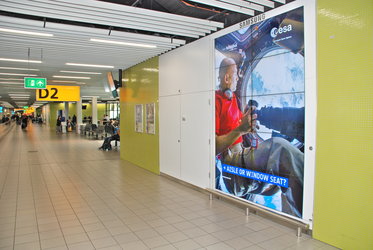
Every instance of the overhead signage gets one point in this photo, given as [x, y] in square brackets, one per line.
[57, 93]
[35, 83]
[30, 110]
[1, 109]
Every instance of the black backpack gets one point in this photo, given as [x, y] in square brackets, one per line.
[106, 146]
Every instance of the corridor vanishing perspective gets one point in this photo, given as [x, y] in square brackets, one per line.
[57, 191]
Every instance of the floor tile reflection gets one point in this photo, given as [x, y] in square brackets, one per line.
[60, 192]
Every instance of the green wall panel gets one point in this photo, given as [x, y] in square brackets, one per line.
[88, 112]
[141, 149]
[54, 107]
[343, 209]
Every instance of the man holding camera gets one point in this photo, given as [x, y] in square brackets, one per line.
[275, 156]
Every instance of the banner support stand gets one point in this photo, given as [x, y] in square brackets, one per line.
[247, 211]
[299, 232]
[299, 225]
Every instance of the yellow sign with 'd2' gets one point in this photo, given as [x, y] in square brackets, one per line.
[57, 93]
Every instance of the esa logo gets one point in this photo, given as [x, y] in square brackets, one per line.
[281, 30]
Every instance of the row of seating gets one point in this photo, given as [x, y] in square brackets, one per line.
[97, 132]
[93, 130]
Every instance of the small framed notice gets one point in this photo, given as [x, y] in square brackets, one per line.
[139, 127]
[150, 118]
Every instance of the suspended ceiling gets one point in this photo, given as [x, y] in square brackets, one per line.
[74, 31]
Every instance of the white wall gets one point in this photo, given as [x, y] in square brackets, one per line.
[186, 112]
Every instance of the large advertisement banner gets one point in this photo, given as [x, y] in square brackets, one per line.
[260, 112]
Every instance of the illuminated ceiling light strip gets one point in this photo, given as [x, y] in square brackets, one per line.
[90, 65]
[124, 43]
[226, 6]
[19, 60]
[19, 68]
[73, 77]
[12, 79]
[15, 83]
[23, 95]
[15, 74]
[154, 39]
[79, 72]
[25, 32]
[6, 86]
[61, 81]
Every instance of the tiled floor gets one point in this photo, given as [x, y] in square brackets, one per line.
[60, 192]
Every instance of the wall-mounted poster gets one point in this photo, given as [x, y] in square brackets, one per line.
[260, 112]
[139, 127]
[150, 118]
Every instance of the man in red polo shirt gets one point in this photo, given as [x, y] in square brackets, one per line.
[230, 123]
[275, 156]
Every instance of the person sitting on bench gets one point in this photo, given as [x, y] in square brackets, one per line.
[106, 145]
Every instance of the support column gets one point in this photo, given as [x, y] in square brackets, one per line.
[66, 111]
[94, 110]
[65, 114]
[79, 116]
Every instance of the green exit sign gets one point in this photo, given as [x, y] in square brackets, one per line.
[35, 83]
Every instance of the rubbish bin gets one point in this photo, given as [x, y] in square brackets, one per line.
[80, 129]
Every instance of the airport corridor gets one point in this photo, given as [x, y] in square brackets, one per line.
[58, 191]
